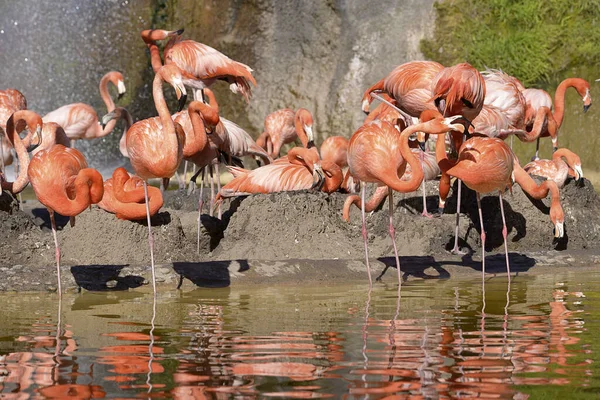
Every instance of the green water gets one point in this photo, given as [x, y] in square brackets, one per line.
[538, 337]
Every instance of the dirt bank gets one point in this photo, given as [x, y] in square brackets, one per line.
[285, 226]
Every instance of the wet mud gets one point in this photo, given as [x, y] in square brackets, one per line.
[274, 229]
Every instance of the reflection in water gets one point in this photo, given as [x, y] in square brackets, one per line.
[430, 341]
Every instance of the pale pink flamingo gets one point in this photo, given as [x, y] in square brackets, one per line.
[11, 100]
[200, 65]
[80, 120]
[303, 171]
[557, 169]
[282, 127]
[63, 183]
[155, 145]
[379, 153]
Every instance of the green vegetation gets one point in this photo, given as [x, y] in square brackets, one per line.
[538, 41]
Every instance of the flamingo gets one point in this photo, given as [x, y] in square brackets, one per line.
[155, 145]
[11, 100]
[335, 149]
[379, 153]
[63, 183]
[282, 127]
[200, 65]
[303, 171]
[131, 188]
[34, 123]
[537, 98]
[80, 120]
[409, 84]
[116, 114]
[557, 169]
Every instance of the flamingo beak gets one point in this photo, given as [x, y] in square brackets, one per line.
[181, 96]
[176, 33]
[422, 140]
[318, 176]
[121, 89]
[310, 135]
[107, 118]
[38, 133]
[578, 172]
[559, 230]
[586, 107]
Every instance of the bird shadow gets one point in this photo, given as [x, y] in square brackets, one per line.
[417, 266]
[208, 274]
[414, 266]
[96, 278]
[44, 215]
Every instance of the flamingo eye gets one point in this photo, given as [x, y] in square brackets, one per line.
[467, 103]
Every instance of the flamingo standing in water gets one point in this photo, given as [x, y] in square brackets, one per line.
[200, 65]
[557, 169]
[63, 183]
[155, 145]
[80, 120]
[379, 153]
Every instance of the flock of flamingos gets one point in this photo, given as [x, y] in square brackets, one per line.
[472, 111]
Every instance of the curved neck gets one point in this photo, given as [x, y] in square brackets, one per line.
[333, 176]
[123, 141]
[378, 196]
[199, 139]
[300, 131]
[559, 98]
[150, 37]
[89, 189]
[529, 185]
[163, 111]
[393, 180]
[108, 101]
[543, 115]
[11, 132]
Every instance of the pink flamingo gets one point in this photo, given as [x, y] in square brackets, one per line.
[379, 153]
[80, 120]
[557, 169]
[200, 65]
[155, 145]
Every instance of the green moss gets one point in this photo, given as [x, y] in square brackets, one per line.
[534, 40]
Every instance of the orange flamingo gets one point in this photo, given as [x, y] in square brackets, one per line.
[303, 171]
[11, 100]
[34, 123]
[80, 120]
[409, 84]
[335, 149]
[63, 183]
[557, 169]
[282, 127]
[379, 153]
[155, 145]
[130, 188]
[537, 98]
[200, 65]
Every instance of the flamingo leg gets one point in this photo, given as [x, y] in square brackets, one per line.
[150, 238]
[537, 150]
[212, 191]
[218, 177]
[424, 213]
[504, 235]
[53, 223]
[364, 232]
[482, 237]
[182, 180]
[393, 233]
[200, 205]
[456, 249]
[2, 151]
[193, 184]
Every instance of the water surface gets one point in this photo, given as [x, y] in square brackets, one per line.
[537, 337]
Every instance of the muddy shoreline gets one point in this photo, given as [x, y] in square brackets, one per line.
[291, 238]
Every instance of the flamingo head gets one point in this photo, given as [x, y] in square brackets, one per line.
[117, 113]
[333, 176]
[587, 100]
[116, 78]
[171, 74]
[304, 123]
[152, 35]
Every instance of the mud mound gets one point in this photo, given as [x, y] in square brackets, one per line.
[99, 237]
[22, 240]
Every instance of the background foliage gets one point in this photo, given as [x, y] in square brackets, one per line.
[535, 40]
